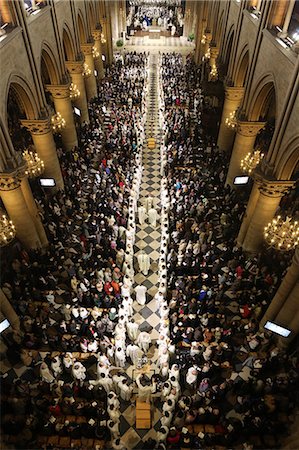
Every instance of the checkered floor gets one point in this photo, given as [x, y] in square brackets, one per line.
[147, 240]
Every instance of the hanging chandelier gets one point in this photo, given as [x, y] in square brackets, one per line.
[86, 70]
[214, 73]
[35, 166]
[95, 53]
[282, 234]
[103, 40]
[203, 39]
[208, 54]
[251, 161]
[231, 121]
[57, 122]
[74, 91]
[7, 230]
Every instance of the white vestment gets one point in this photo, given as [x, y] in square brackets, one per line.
[144, 341]
[141, 294]
[132, 328]
[152, 217]
[141, 214]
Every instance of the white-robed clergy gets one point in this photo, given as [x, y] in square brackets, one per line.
[144, 262]
[145, 388]
[140, 294]
[134, 353]
[125, 390]
[79, 371]
[142, 215]
[148, 203]
[45, 373]
[152, 217]
[144, 341]
[56, 366]
[132, 328]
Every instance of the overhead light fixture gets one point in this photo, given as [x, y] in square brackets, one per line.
[86, 70]
[7, 230]
[231, 120]
[214, 73]
[57, 122]
[203, 39]
[251, 161]
[35, 166]
[74, 91]
[95, 53]
[282, 234]
[103, 40]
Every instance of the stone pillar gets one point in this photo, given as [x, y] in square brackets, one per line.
[96, 34]
[233, 98]
[90, 80]
[214, 52]
[206, 45]
[287, 20]
[45, 147]
[62, 102]
[32, 208]
[75, 69]
[267, 203]
[284, 308]
[254, 195]
[244, 143]
[108, 36]
[8, 312]
[17, 210]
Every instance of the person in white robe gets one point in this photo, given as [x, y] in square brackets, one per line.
[162, 434]
[56, 366]
[134, 353]
[145, 388]
[120, 357]
[152, 217]
[68, 360]
[113, 400]
[144, 262]
[166, 419]
[148, 203]
[141, 295]
[113, 428]
[132, 328]
[106, 382]
[144, 341]
[191, 377]
[113, 413]
[142, 215]
[46, 374]
[125, 390]
[127, 304]
[79, 371]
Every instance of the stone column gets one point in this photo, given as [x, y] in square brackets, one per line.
[244, 143]
[287, 20]
[284, 306]
[233, 98]
[254, 195]
[75, 69]
[17, 210]
[45, 147]
[32, 208]
[8, 311]
[108, 36]
[267, 203]
[96, 34]
[90, 80]
[206, 45]
[214, 52]
[63, 104]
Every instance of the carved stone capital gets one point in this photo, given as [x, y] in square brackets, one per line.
[96, 34]
[87, 49]
[59, 90]
[10, 181]
[234, 93]
[37, 126]
[74, 66]
[272, 188]
[249, 129]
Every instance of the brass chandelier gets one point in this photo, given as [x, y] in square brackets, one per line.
[74, 91]
[86, 70]
[57, 122]
[7, 230]
[231, 120]
[95, 53]
[251, 161]
[282, 234]
[35, 166]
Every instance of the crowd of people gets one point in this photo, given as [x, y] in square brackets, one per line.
[165, 16]
[221, 380]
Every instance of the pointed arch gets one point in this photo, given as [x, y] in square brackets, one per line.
[68, 44]
[228, 43]
[91, 15]
[219, 27]
[82, 29]
[242, 67]
[49, 66]
[287, 159]
[22, 92]
[264, 94]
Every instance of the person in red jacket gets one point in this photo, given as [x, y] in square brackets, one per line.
[173, 437]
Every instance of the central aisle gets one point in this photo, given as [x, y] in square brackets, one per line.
[147, 241]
